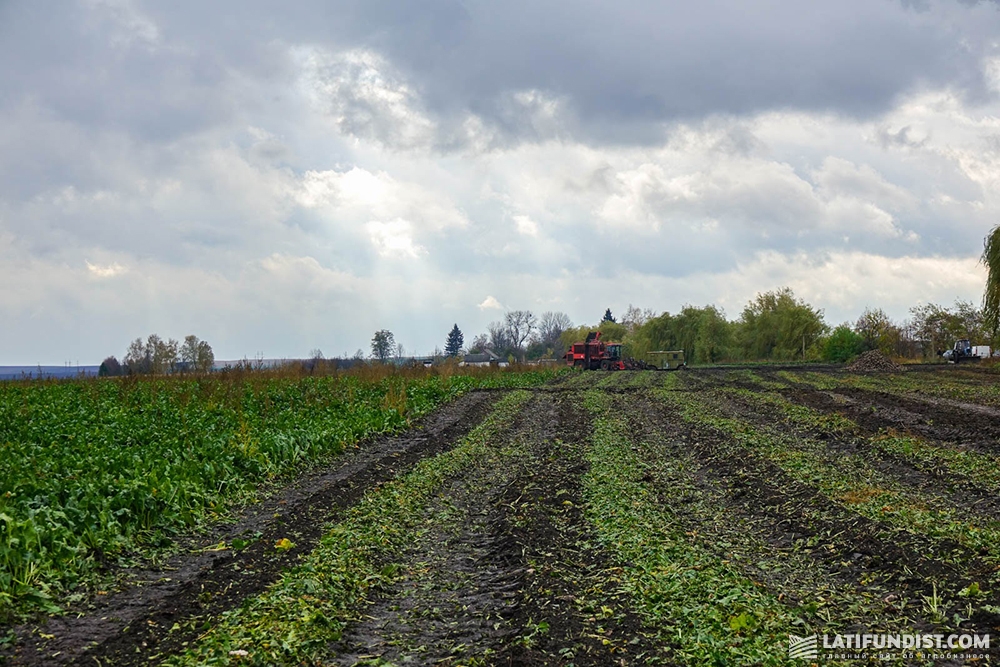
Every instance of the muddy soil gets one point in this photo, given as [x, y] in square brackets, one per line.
[851, 551]
[506, 572]
[880, 413]
[963, 424]
[508, 569]
[155, 611]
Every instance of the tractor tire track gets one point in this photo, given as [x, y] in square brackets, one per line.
[878, 413]
[569, 583]
[500, 575]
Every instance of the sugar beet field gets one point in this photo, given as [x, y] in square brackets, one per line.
[510, 518]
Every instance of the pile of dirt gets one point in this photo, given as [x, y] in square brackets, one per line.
[873, 360]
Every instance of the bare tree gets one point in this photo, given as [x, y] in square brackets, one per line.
[635, 317]
[479, 343]
[500, 341]
[551, 327]
[519, 324]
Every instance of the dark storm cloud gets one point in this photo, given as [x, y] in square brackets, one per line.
[625, 68]
[621, 70]
[117, 76]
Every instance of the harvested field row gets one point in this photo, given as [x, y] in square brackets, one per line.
[697, 517]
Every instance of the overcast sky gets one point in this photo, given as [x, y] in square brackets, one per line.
[277, 180]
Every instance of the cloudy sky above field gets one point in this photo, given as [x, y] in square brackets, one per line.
[276, 180]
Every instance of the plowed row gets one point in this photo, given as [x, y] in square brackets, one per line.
[689, 518]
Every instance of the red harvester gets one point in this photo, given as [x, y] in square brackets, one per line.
[593, 354]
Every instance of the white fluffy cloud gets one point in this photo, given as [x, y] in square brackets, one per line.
[490, 303]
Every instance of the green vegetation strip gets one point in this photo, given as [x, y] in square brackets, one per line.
[690, 487]
[703, 608]
[296, 619]
[846, 479]
[100, 470]
[971, 388]
[965, 465]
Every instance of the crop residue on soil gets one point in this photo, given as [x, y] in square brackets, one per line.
[732, 508]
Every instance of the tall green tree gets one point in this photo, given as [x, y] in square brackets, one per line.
[878, 331]
[843, 345]
[608, 317]
[383, 345]
[703, 333]
[776, 325]
[197, 354]
[455, 341]
[937, 328]
[991, 296]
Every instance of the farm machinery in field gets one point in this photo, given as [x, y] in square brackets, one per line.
[595, 354]
[966, 351]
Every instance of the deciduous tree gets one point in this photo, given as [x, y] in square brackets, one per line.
[383, 345]
[877, 331]
[519, 324]
[635, 317]
[479, 343]
[776, 325]
[110, 368]
[500, 341]
[551, 327]
[197, 354]
[991, 295]
[843, 345]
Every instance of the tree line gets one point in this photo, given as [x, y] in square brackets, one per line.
[156, 356]
[774, 325]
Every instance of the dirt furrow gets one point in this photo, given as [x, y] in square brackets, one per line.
[507, 570]
[570, 610]
[939, 485]
[964, 426]
[899, 568]
[158, 610]
[879, 414]
[453, 598]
